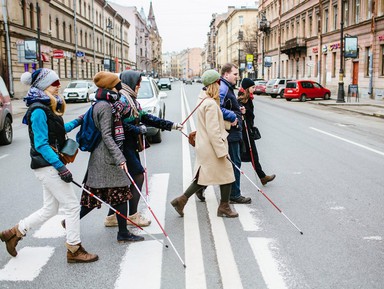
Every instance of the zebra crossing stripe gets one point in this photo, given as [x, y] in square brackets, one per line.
[269, 266]
[26, 266]
[51, 228]
[135, 264]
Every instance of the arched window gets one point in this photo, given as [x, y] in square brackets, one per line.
[70, 33]
[85, 39]
[57, 28]
[91, 44]
[81, 37]
[89, 12]
[64, 32]
[31, 17]
[80, 7]
[96, 18]
[24, 9]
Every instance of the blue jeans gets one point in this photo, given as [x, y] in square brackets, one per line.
[234, 153]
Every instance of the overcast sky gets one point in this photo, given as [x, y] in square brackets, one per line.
[184, 23]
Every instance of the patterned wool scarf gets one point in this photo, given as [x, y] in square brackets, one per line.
[117, 107]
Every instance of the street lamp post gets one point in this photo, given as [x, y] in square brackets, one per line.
[110, 27]
[239, 38]
[264, 28]
[340, 92]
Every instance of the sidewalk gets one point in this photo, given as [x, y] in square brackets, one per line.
[364, 106]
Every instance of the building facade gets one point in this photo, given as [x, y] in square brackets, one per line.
[75, 38]
[304, 40]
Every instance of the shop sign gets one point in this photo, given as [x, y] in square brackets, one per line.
[58, 53]
[381, 37]
[315, 50]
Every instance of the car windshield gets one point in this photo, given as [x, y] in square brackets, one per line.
[164, 80]
[77, 85]
[145, 90]
[260, 82]
[291, 85]
[272, 81]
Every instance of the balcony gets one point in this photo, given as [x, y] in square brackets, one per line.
[294, 45]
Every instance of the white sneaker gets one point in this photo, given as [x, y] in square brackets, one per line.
[111, 221]
[139, 219]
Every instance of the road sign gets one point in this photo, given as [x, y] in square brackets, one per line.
[249, 57]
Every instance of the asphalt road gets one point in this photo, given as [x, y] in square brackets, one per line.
[329, 167]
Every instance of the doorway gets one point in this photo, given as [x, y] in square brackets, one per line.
[355, 73]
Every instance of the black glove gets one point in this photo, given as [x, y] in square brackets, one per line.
[80, 119]
[65, 174]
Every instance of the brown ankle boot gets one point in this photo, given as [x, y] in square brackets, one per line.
[11, 237]
[267, 179]
[77, 254]
[224, 210]
[179, 204]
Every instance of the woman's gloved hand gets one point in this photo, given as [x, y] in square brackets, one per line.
[65, 174]
[177, 126]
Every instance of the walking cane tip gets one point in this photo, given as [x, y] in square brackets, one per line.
[301, 233]
[185, 266]
[166, 246]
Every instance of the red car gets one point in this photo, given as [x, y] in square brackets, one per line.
[260, 86]
[305, 89]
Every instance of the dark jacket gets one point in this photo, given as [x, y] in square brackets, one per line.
[231, 109]
[56, 134]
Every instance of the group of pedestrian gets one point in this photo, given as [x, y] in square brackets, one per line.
[120, 119]
[114, 172]
[220, 135]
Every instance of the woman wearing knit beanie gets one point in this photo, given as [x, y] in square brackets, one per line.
[245, 97]
[107, 168]
[212, 166]
[135, 121]
[46, 130]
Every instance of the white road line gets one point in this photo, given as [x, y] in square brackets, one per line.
[3, 156]
[26, 267]
[194, 273]
[141, 258]
[348, 141]
[249, 222]
[158, 188]
[230, 276]
[51, 228]
[269, 266]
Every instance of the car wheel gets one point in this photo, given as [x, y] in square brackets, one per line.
[288, 99]
[157, 137]
[326, 96]
[6, 134]
[282, 94]
[170, 88]
[273, 95]
[86, 98]
[303, 98]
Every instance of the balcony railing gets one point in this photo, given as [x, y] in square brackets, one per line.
[294, 45]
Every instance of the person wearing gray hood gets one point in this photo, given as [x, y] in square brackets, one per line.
[135, 120]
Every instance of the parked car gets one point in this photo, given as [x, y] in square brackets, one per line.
[6, 119]
[305, 89]
[79, 90]
[260, 86]
[276, 87]
[164, 83]
[188, 81]
[151, 101]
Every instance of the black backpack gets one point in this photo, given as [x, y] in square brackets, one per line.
[88, 136]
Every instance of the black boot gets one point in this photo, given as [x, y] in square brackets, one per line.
[128, 237]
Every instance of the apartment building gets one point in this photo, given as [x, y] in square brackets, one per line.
[304, 40]
[75, 38]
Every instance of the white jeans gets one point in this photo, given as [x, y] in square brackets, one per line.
[56, 193]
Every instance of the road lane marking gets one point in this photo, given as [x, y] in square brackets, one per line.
[270, 267]
[3, 156]
[249, 222]
[194, 273]
[229, 272]
[51, 228]
[26, 267]
[373, 238]
[140, 259]
[158, 188]
[349, 141]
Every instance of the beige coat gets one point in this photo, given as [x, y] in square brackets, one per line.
[211, 145]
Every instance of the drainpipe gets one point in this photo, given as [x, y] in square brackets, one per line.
[319, 35]
[75, 30]
[9, 59]
[279, 42]
[93, 37]
[122, 46]
[104, 48]
[371, 53]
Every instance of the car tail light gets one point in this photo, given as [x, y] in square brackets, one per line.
[275, 86]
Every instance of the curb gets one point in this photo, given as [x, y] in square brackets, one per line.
[349, 107]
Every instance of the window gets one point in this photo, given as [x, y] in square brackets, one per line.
[70, 33]
[24, 8]
[31, 17]
[241, 20]
[57, 28]
[367, 60]
[346, 13]
[310, 65]
[310, 26]
[64, 32]
[334, 17]
[382, 60]
[316, 65]
[357, 14]
[333, 64]
[326, 17]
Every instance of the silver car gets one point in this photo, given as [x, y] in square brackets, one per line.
[6, 132]
[276, 87]
[151, 101]
[79, 90]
